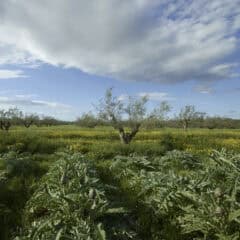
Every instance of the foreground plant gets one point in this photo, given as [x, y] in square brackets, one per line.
[71, 203]
[176, 196]
[179, 196]
[67, 204]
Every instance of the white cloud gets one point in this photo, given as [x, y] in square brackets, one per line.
[48, 104]
[158, 40]
[152, 96]
[123, 97]
[27, 103]
[26, 96]
[6, 74]
[204, 89]
[33, 103]
[10, 54]
[156, 96]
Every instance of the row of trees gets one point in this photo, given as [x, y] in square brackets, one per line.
[112, 111]
[129, 115]
[14, 116]
[125, 116]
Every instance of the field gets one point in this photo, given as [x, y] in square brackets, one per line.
[66, 182]
[86, 139]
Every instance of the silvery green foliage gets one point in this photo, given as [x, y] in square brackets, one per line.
[177, 196]
[189, 113]
[215, 207]
[118, 113]
[161, 111]
[181, 200]
[9, 117]
[68, 203]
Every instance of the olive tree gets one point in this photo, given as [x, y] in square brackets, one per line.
[29, 119]
[161, 111]
[158, 115]
[8, 118]
[49, 121]
[125, 116]
[188, 114]
[87, 120]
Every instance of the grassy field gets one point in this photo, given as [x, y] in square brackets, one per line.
[161, 186]
[81, 139]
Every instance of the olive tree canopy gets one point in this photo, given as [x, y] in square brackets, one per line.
[29, 119]
[118, 113]
[9, 117]
[161, 111]
[189, 113]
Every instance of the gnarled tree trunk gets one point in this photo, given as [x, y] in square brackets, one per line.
[1, 125]
[185, 125]
[5, 125]
[126, 137]
[27, 124]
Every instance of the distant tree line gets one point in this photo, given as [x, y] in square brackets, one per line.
[113, 112]
[125, 116]
[208, 123]
[15, 117]
[128, 116]
[89, 120]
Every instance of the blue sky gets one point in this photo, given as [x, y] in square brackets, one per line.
[61, 64]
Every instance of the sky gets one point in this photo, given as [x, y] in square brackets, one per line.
[58, 57]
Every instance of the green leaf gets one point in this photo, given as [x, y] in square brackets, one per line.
[117, 210]
[101, 232]
[59, 234]
[234, 215]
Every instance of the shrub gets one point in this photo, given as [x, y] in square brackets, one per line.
[88, 120]
[71, 203]
[28, 142]
[169, 204]
[18, 173]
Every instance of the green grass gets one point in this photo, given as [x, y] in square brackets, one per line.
[49, 139]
